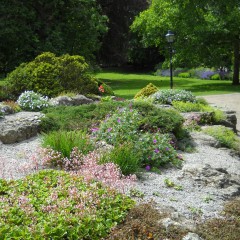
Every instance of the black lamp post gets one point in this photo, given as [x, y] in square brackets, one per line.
[170, 39]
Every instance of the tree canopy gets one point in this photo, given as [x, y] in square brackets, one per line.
[30, 27]
[207, 32]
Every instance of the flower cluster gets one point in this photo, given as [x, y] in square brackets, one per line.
[168, 96]
[101, 89]
[32, 101]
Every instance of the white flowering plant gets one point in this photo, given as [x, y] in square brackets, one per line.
[170, 95]
[32, 101]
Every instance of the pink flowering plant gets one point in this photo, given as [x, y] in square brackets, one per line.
[58, 205]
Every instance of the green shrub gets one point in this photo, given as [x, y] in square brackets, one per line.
[158, 119]
[64, 142]
[202, 101]
[146, 91]
[105, 90]
[170, 95]
[125, 156]
[156, 150]
[51, 75]
[187, 106]
[216, 76]
[184, 75]
[32, 101]
[56, 205]
[225, 136]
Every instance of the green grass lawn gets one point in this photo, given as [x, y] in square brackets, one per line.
[126, 85]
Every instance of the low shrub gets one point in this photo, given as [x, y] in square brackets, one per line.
[184, 75]
[170, 95]
[158, 119]
[13, 105]
[224, 135]
[64, 142]
[125, 156]
[32, 101]
[50, 75]
[156, 150]
[146, 91]
[57, 205]
[216, 76]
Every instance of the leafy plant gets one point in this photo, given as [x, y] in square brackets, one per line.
[124, 156]
[55, 205]
[168, 96]
[64, 142]
[216, 76]
[146, 91]
[13, 105]
[224, 135]
[32, 101]
[184, 75]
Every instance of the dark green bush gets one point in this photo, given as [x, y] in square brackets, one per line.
[50, 75]
[146, 91]
[159, 119]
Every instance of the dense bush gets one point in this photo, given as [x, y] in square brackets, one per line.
[32, 101]
[168, 96]
[216, 76]
[57, 205]
[51, 75]
[184, 75]
[146, 91]
[157, 119]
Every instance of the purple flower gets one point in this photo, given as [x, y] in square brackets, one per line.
[154, 141]
[156, 150]
[109, 129]
[94, 129]
[148, 168]
[167, 149]
[119, 120]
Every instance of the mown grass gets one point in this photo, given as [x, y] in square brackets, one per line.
[126, 84]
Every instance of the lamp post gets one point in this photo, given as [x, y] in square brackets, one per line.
[170, 39]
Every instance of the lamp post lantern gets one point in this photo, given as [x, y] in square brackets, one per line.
[170, 39]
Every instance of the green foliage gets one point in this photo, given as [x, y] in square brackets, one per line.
[80, 117]
[157, 119]
[77, 31]
[13, 105]
[32, 101]
[146, 91]
[216, 77]
[51, 75]
[168, 96]
[225, 136]
[156, 150]
[56, 205]
[125, 156]
[184, 75]
[64, 142]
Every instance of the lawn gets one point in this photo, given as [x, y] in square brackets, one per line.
[128, 84]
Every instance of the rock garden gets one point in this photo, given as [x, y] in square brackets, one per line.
[78, 163]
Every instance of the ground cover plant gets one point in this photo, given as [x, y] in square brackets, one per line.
[224, 135]
[127, 84]
[57, 205]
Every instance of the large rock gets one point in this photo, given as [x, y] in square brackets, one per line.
[70, 101]
[192, 236]
[19, 126]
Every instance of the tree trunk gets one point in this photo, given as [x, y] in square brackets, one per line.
[236, 62]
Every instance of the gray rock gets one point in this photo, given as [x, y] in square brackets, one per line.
[191, 236]
[5, 109]
[70, 101]
[19, 127]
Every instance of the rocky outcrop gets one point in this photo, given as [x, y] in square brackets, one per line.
[19, 126]
[70, 101]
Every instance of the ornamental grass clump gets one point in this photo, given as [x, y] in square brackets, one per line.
[58, 205]
[170, 95]
[32, 101]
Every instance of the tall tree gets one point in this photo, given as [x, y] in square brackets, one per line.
[207, 31]
[29, 27]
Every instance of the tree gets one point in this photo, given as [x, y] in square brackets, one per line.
[30, 27]
[207, 32]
